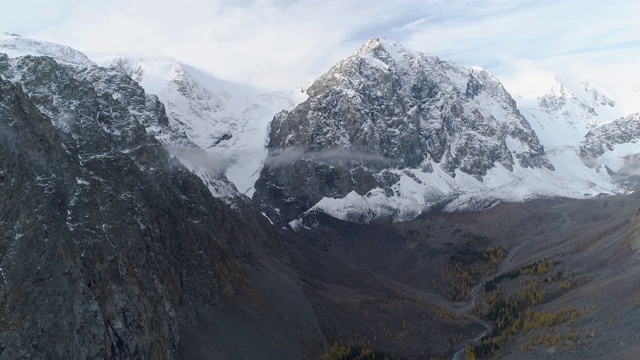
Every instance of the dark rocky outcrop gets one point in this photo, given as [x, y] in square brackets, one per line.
[602, 139]
[110, 248]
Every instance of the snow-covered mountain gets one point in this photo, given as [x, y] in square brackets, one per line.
[562, 111]
[393, 132]
[226, 120]
[613, 148]
[388, 132]
[214, 127]
[16, 46]
[578, 123]
[152, 116]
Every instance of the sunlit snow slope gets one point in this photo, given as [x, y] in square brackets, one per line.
[227, 120]
[578, 123]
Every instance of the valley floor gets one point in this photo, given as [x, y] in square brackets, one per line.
[555, 278]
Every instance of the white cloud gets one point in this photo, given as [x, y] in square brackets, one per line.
[288, 43]
[616, 71]
[268, 43]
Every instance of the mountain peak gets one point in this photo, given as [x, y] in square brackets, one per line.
[386, 117]
[132, 67]
[376, 43]
[579, 105]
[387, 50]
[598, 95]
[372, 43]
[17, 46]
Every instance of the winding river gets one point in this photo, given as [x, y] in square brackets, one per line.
[466, 310]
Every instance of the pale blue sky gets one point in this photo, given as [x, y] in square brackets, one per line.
[288, 43]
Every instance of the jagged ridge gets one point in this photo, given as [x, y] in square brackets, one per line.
[387, 107]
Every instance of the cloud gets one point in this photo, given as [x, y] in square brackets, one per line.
[208, 160]
[335, 156]
[26, 16]
[273, 44]
[533, 30]
[614, 72]
[285, 44]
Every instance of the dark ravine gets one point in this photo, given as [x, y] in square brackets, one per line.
[465, 310]
[476, 296]
[371, 284]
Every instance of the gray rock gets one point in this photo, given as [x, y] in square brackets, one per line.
[604, 138]
[387, 107]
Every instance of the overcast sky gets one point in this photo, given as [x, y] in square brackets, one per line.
[284, 44]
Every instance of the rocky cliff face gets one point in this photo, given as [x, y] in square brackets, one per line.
[606, 138]
[134, 68]
[613, 149]
[564, 103]
[108, 245]
[387, 107]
